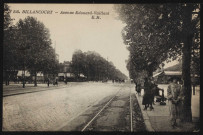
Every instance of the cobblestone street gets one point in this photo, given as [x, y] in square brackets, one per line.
[74, 104]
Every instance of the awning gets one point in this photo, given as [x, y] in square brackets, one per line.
[81, 75]
[70, 75]
[173, 73]
[61, 74]
[157, 74]
[20, 73]
[169, 73]
[40, 74]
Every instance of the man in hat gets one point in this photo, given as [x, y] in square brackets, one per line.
[174, 99]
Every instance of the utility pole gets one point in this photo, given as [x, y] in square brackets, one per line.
[54, 59]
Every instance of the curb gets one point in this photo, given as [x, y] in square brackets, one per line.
[145, 116]
[33, 91]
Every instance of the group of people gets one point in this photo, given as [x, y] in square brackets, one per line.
[55, 81]
[174, 95]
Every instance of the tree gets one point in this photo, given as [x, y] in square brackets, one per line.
[7, 17]
[158, 32]
[35, 43]
[137, 75]
[78, 60]
[95, 67]
[146, 37]
[49, 64]
[10, 61]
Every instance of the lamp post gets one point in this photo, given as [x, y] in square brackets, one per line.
[23, 72]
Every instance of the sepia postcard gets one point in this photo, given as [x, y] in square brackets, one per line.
[101, 67]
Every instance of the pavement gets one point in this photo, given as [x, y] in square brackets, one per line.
[158, 120]
[15, 88]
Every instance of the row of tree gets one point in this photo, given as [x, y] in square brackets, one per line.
[94, 67]
[27, 46]
[156, 33]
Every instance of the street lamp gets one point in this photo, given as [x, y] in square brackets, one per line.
[23, 73]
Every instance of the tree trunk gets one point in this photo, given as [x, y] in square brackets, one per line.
[35, 83]
[186, 62]
[135, 86]
[6, 77]
[193, 89]
[187, 113]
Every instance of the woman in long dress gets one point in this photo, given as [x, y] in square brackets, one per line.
[148, 95]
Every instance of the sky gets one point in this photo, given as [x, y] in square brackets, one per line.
[70, 32]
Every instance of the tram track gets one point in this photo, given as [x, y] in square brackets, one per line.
[131, 113]
[105, 106]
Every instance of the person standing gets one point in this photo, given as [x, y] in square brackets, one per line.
[56, 81]
[48, 82]
[174, 94]
[138, 88]
[147, 98]
[65, 80]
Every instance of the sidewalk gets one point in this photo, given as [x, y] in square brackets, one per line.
[157, 120]
[15, 89]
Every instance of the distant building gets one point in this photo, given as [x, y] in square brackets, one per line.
[29, 77]
[65, 71]
[68, 76]
[164, 76]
